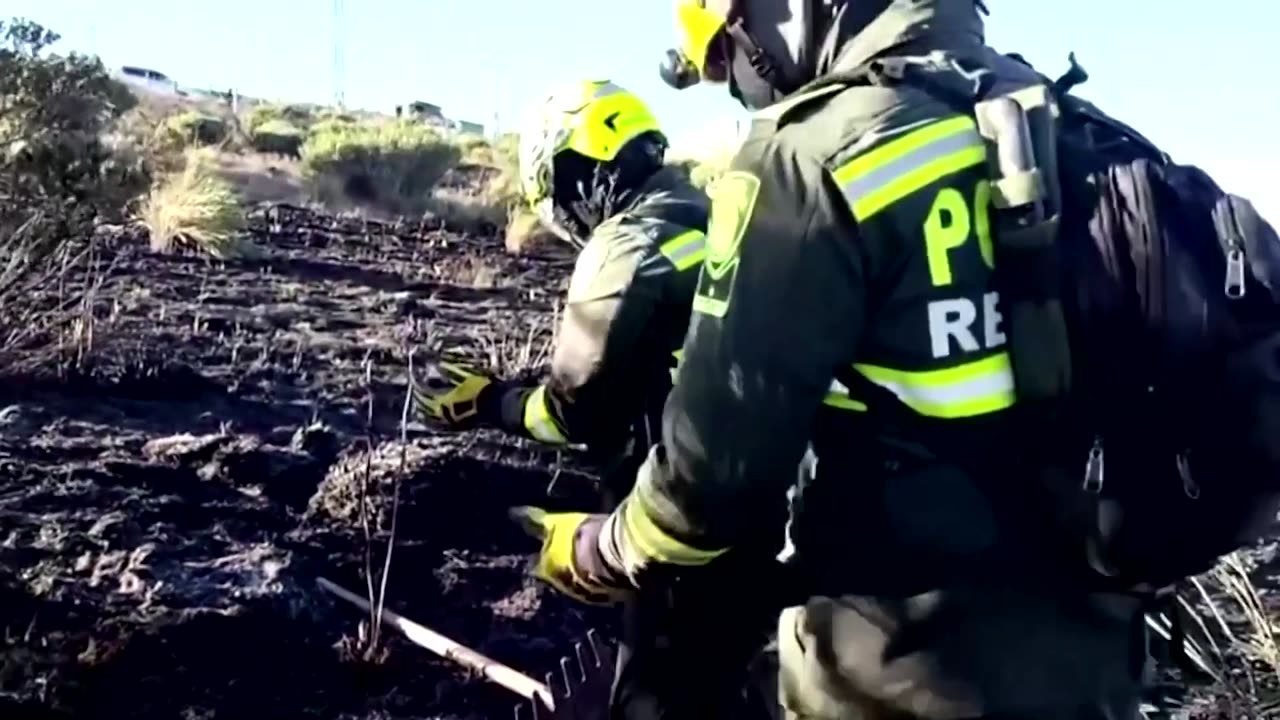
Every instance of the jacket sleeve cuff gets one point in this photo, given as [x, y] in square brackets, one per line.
[633, 539]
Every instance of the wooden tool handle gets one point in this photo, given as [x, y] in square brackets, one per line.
[504, 675]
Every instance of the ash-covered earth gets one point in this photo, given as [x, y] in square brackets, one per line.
[165, 512]
[233, 432]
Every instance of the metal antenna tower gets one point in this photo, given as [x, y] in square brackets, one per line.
[339, 69]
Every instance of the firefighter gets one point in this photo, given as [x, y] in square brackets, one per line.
[848, 299]
[592, 166]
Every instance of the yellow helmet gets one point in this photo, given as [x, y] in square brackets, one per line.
[699, 55]
[592, 119]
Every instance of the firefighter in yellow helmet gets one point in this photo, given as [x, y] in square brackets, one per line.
[849, 298]
[592, 166]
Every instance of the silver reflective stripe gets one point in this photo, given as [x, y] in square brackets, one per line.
[878, 178]
[686, 250]
[982, 386]
[882, 176]
[972, 388]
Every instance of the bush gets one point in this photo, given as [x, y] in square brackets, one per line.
[299, 117]
[277, 137]
[507, 146]
[193, 128]
[135, 137]
[260, 115]
[57, 178]
[495, 202]
[195, 209]
[391, 167]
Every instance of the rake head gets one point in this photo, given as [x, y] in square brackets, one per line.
[582, 692]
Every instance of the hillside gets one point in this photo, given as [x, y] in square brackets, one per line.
[207, 323]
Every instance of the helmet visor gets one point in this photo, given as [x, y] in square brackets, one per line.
[701, 38]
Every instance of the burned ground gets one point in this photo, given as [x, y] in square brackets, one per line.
[165, 511]
[167, 505]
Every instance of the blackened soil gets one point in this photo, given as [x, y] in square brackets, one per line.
[165, 511]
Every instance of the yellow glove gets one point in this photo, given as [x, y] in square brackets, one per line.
[565, 538]
[450, 395]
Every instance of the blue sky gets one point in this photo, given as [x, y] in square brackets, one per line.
[1192, 76]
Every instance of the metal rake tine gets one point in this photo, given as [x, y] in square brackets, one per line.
[568, 680]
[582, 660]
[551, 686]
[593, 639]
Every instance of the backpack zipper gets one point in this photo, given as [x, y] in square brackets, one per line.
[1233, 284]
[1093, 469]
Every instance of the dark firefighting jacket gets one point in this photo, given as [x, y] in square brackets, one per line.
[847, 300]
[624, 321]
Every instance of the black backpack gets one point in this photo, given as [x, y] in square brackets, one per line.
[1171, 295]
[1145, 339]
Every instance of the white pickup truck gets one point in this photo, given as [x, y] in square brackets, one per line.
[152, 80]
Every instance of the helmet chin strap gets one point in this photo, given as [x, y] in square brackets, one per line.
[779, 77]
[763, 65]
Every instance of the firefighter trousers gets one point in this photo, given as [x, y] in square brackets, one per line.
[1002, 657]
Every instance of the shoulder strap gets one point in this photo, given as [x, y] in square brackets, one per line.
[780, 112]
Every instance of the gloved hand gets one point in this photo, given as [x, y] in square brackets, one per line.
[569, 560]
[450, 394]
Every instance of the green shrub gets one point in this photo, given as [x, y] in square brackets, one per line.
[391, 167]
[193, 128]
[299, 116]
[507, 145]
[277, 137]
[57, 180]
[260, 115]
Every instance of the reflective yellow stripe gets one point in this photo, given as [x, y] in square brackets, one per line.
[686, 249]
[974, 388]
[677, 357]
[885, 175]
[838, 397]
[538, 420]
[652, 542]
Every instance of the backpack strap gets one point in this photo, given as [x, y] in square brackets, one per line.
[1021, 130]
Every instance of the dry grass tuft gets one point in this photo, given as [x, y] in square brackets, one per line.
[195, 209]
[479, 273]
[512, 354]
[1240, 647]
[1259, 639]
